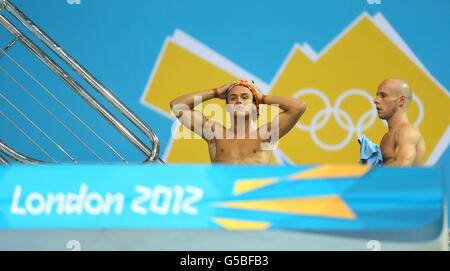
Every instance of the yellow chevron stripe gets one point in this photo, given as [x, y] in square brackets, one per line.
[327, 206]
[331, 171]
[244, 186]
[237, 224]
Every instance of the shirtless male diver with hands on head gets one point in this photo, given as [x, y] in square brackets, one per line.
[242, 143]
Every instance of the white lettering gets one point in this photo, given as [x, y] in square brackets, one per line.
[135, 204]
[160, 200]
[197, 195]
[15, 209]
[35, 210]
[166, 194]
[93, 203]
[51, 200]
[76, 207]
[94, 209]
[111, 199]
[179, 192]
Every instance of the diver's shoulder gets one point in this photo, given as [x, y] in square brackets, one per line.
[409, 131]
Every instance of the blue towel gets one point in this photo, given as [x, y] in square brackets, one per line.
[370, 152]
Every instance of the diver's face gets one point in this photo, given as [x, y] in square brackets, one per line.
[240, 100]
[386, 102]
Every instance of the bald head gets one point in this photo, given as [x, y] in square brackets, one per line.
[398, 87]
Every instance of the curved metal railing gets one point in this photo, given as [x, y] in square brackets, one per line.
[11, 153]
[152, 153]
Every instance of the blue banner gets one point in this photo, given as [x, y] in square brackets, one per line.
[156, 51]
[316, 198]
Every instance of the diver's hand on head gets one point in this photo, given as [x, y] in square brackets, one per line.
[223, 90]
[259, 94]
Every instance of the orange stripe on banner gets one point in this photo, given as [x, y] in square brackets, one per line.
[244, 186]
[326, 206]
[331, 171]
[238, 224]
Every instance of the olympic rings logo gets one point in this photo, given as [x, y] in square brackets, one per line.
[365, 121]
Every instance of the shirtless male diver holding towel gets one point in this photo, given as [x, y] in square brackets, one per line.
[242, 143]
[403, 144]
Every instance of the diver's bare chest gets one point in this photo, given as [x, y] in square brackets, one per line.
[238, 146]
[387, 145]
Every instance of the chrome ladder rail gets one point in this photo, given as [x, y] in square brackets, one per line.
[152, 154]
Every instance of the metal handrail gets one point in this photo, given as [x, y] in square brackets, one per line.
[151, 154]
[11, 153]
[3, 161]
[89, 78]
[8, 47]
